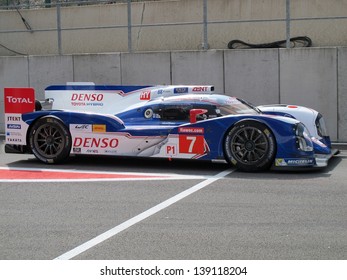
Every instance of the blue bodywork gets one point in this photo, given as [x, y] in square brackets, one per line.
[134, 123]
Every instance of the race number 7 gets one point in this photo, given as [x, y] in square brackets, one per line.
[191, 144]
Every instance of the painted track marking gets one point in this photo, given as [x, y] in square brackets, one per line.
[60, 175]
[125, 225]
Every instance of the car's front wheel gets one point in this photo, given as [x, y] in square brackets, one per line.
[250, 146]
[50, 140]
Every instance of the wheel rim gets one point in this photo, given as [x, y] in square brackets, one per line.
[49, 141]
[249, 145]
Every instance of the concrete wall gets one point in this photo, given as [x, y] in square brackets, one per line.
[342, 93]
[309, 77]
[253, 75]
[146, 69]
[198, 68]
[313, 77]
[100, 38]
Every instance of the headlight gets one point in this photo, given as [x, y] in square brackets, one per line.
[303, 139]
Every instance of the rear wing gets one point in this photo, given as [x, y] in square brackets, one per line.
[17, 102]
[111, 99]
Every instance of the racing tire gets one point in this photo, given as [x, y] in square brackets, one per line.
[250, 146]
[50, 140]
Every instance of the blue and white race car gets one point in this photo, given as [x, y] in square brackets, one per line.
[175, 122]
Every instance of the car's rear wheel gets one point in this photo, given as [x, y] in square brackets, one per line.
[50, 140]
[250, 146]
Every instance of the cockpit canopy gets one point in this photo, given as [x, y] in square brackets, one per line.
[178, 107]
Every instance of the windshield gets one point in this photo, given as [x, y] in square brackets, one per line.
[235, 106]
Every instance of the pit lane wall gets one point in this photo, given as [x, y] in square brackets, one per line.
[313, 77]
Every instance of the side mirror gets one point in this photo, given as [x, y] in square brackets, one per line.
[193, 113]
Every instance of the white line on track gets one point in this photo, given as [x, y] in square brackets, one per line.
[125, 225]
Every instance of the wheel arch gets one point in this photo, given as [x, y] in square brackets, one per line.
[239, 122]
[33, 122]
[56, 154]
[244, 120]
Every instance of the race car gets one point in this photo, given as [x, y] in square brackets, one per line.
[175, 122]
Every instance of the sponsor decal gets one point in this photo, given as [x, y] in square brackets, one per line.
[300, 161]
[160, 91]
[99, 128]
[81, 127]
[14, 126]
[87, 97]
[145, 95]
[94, 142]
[280, 162]
[90, 151]
[294, 162]
[13, 133]
[13, 119]
[76, 104]
[19, 100]
[181, 90]
[200, 89]
[197, 130]
[76, 150]
[112, 152]
[13, 140]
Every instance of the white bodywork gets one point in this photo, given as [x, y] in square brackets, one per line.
[112, 101]
[309, 118]
[305, 115]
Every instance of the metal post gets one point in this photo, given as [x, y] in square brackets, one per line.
[288, 24]
[129, 27]
[59, 28]
[205, 43]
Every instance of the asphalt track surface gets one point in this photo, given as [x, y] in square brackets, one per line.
[140, 209]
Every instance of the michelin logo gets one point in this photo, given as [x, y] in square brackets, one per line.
[300, 161]
[294, 162]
